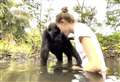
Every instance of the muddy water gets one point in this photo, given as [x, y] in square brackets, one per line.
[31, 72]
[114, 65]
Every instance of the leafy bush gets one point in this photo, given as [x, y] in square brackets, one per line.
[110, 44]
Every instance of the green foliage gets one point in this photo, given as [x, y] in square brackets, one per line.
[11, 24]
[86, 14]
[34, 39]
[113, 18]
[5, 47]
[110, 44]
[114, 1]
[14, 24]
[113, 14]
[12, 27]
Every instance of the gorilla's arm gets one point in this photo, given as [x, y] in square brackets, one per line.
[70, 50]
[44, 49]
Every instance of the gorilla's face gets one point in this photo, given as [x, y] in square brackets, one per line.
[53, 30]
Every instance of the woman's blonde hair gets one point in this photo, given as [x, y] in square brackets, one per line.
[65, 15]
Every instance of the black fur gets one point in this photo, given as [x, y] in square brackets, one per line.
[55, 41]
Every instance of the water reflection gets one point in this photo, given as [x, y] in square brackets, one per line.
[43, 75]
[93, 77]
[63, 75]
[36, 73]
[58, 75]
[114, 65]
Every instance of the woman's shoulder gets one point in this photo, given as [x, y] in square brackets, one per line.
[82, 29]
[82, 25]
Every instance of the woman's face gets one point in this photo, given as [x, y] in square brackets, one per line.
[65, 26]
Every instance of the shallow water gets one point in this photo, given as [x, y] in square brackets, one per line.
[114, 65]
[22, 72]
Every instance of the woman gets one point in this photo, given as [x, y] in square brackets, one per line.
[86, 42]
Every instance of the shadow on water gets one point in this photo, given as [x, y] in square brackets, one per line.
[34, 73]
[61, 75]
[43, 75]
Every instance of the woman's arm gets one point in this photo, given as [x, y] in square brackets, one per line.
[89, 49]
[94, 62]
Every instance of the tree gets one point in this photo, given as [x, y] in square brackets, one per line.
[13, 23]
[113, 14]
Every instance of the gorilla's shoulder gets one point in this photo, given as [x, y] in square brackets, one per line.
[52, 27]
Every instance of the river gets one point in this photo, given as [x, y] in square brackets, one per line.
[31, 72]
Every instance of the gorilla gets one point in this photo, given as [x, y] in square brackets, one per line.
[56, 42]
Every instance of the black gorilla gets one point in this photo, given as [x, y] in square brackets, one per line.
[55, 41]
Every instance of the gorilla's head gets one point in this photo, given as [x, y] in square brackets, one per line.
[53, 30]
